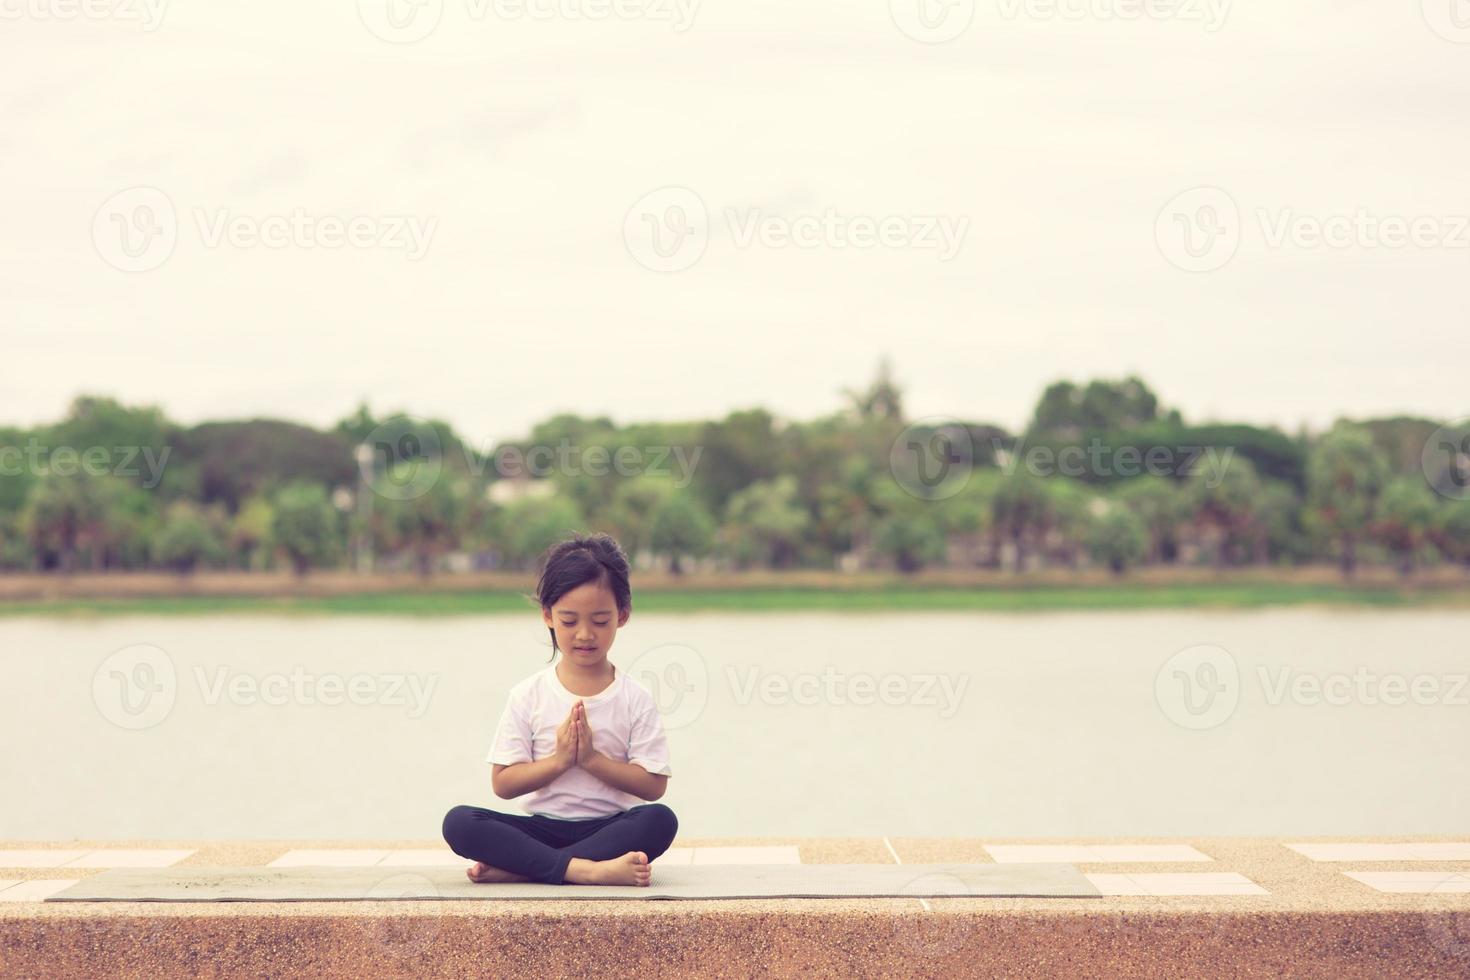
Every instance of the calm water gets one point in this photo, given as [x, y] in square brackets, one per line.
[1290, 721]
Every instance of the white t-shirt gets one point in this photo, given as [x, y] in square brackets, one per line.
[626, 727]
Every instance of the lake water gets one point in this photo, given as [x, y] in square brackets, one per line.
[1278, 722]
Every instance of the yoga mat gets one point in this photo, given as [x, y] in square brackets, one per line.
[675, 882]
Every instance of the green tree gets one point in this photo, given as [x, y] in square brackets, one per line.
[527, 527]
[1021, 511]
[186, 539]
[1066, 409]
[1118, 538]
[1451, 530]
[1227, 503]
[250, 532]
[681, 527]
[65, 516]
[306, 526]
[1161, 507]
[1406, 516]
[427, 525]
[1346, 474]
[765, 522]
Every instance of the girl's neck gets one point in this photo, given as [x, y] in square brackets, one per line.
[602, 673]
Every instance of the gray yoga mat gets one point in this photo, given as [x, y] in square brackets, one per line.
[674, 882]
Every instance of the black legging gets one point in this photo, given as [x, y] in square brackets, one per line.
[541, 847]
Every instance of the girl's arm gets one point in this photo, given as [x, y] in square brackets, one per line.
[626, 776]
[523, 777]
[511, 781]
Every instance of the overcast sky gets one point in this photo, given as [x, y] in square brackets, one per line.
[145, 151]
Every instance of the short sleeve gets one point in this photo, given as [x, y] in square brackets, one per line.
[647, 746]
[512, 736]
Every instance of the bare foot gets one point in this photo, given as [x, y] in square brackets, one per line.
[630, 869]
[483, 873]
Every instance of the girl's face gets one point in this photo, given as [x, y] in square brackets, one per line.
[584, 621]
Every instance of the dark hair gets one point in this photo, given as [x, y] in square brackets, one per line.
[575, 562]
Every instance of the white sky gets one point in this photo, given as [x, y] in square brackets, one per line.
[528, 141]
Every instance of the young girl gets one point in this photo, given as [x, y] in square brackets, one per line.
[585, 741]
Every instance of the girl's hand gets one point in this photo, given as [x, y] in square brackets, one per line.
[585, 750]
[566, 740]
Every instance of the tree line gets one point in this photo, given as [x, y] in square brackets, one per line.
[1102, 475]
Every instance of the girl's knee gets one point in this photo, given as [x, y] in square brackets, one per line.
[454, 822]
[662, 819]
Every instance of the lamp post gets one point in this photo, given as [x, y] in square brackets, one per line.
[365, 472]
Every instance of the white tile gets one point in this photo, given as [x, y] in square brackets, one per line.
[1116, 884]
[676, 855]
[35, 890]
[428, 857]
[1093, 853]
[1420, 851]
[1176, 883]
[337, 858]
[37, 858]
[747, 855]
[1418, 882]
[125, 858]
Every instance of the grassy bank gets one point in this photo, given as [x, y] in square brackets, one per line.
[795, 598]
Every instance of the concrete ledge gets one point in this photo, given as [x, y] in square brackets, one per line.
[878, 944]
[1307, 918]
